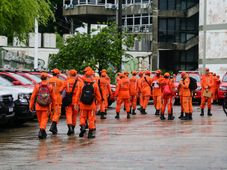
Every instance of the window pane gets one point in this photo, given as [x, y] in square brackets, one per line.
[171, 4]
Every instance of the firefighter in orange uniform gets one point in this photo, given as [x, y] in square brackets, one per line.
[207, 84]
[167, 95]
[105, 91]
[71, 110]
[157, 93]
[146, 90]
[123, 95]
[57, 85]
[180, 92]
[139, 89]
[186, 97]
[133, 89]
[41, 100]
[86, 98]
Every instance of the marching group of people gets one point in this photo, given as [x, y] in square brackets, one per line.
[88, 95]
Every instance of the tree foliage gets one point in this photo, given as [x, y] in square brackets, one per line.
[17, 16]
[99, 51]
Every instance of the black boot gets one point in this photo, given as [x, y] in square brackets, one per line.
[190, 116]
[117, 116]
[128, 115]
[209, 112]
[102, 115]
[91, 134]
[42, 134]
[73, 129]
[171, 117]
[140, 108]
[202, 112]
[70, 130]
[143, 111]
[181, 115]
[98, 113]
[157, 112]
[133, 112]
[86, 127]
[82, 131]
[53, 128]
[186, 117]
[162, 117]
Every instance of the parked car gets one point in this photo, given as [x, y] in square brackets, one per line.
[34, 79]
[222, 91]
[6, 107]
[21, 96]
[38, 74]
[16, 79]
[196, 93]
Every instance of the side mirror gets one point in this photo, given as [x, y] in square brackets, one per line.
[16, 83]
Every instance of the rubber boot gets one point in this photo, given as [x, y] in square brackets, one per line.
[53, 128]
[209, 112]
[157, 112]
[102, 115]
[128, 115]
[186, 117]
[133, 112]
[143, 111]
[117, 116]
[91, 134]
[190, 116]
[171, 117]
[86, 127]
[82, 131]
[181, 115]
[42, 134]
[140, 108]
[70, 130]
[98, 113]
[202, 112]
[162, 117]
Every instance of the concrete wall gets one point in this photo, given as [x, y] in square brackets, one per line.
[213, 35]
[3, 41]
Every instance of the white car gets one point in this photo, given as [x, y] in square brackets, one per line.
[21, 96]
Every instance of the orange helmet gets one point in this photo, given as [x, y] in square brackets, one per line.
[158, 71]
[166, 74]
[134, 73]
[72, 72]
[103, 70]
[140, 73]
[122, 75]
[87, 68]
[89, 72]
[43, 75]
[55, 71]
[147, 72]
[126, 73]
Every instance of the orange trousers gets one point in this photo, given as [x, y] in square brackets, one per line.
[187, 104]
[71, 115]
[205, 100]
[145, 101]
[167, 101]
[126, 102]
[133, 102]
[56, 113]
[88, 115]
[157, 102]
[181, 104]
[141, 100]
[104, 104]
[42, 116]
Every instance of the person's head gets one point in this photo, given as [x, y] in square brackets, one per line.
[147, 73]
[134, 73]
[141, 74]
[126, 73]
[103, 71]
[103, 74]
[207, 71]
[122, 75]
[166, 75]
[183, 75]
[89, 73]
[158, 72]
[55, 72]
[72, 73]
[43, 76]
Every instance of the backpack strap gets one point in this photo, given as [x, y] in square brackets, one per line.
[74, 85]
[147, 82]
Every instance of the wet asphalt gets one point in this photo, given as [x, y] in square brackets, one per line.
[143, 142]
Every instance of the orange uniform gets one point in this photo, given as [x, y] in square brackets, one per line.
[157, 93]
[186, 98]
[139, 89]
[207, 84]
[145, 91]
[167, 83]
[133, 89]
[41, 111]
[180, 91]
[88, 111]
[123, 96]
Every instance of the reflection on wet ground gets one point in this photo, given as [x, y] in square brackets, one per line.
[143, 142]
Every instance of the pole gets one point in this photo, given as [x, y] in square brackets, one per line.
[36, 45]
[119, 26]
[204, 35]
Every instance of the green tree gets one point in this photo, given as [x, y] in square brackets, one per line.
[100, 51]
[17, 16]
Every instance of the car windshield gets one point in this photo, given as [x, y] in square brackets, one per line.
[225, 78]
[22, 79]
[37, 79]
[4, 82]
[195, 76]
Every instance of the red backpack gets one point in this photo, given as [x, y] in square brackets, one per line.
[43, 98]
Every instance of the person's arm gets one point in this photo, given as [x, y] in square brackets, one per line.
[186, 83]
[97, 93]
[33, 97]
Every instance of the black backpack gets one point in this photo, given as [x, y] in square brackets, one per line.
[192, 84]
[87, 96]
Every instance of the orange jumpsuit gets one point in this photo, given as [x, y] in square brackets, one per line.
[41, 111]
[180, 90]
[123, 95]
[139, 91]
[57, 85]
[167, 100]
[71, 113]
[146, 90]
[206, 83]
[187, 97]
[133, 89]
[88, 111]
[157, 93]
